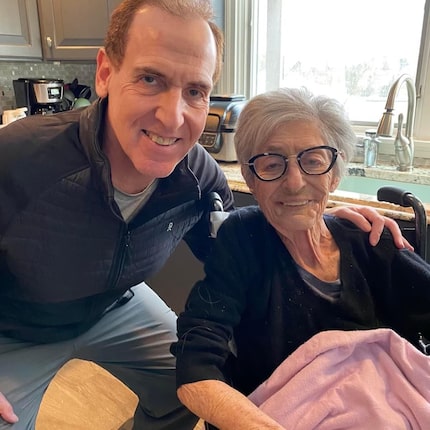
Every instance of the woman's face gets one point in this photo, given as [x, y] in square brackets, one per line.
[296, 201]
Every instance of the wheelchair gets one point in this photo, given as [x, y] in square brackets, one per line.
[417, 235]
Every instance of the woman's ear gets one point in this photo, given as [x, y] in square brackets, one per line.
[249, 180]
[334, 183]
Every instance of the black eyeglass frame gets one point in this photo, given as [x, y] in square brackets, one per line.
[335, 152]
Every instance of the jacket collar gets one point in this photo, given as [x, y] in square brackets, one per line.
[91, 128]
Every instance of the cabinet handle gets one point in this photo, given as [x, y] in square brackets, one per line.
[49, 41]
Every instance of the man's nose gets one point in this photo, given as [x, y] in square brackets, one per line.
[171, 109]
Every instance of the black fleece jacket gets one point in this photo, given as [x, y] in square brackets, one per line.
[65, 251]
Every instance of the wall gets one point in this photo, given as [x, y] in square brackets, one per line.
[57, 70]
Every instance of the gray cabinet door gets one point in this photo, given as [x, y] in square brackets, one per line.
[112, 4]
[19, 30]
[73, 30]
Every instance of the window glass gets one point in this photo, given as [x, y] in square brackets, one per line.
[352, 51]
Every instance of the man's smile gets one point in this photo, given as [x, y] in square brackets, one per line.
[159, 140]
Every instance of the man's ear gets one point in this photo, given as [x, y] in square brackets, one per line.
[103, 72]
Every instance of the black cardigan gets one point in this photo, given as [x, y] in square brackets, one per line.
[253, 293]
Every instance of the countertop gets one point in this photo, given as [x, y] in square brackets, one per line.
[342, 198]
[419, 175]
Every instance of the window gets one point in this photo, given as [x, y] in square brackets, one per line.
[350, 51]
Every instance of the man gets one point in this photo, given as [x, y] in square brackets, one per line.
[94, 201]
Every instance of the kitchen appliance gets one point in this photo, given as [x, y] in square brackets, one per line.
[218, 135]
[39, 95]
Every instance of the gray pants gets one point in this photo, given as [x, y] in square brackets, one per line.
[131, 342]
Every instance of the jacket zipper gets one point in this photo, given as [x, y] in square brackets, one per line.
[120, 258]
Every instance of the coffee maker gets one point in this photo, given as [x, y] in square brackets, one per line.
[40, 96]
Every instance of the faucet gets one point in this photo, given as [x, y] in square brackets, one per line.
[403, 144]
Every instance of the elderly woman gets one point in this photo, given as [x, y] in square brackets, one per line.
[283, 271]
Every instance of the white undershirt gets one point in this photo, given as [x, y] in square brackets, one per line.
[130, 204]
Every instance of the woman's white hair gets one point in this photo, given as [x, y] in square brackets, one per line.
[265, 113]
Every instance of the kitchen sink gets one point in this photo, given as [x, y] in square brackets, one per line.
[365, 185]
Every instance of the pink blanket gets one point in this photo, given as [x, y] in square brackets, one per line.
[371, 379]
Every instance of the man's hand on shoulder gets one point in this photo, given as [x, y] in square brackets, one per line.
[370, 220]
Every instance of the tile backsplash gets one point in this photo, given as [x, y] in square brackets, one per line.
[9, 71]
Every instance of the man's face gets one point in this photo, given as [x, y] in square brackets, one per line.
[159, 97]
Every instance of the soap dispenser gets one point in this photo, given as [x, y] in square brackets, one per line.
[402, 148]
[371, 146]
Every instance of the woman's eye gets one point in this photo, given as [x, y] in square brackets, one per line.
[272, 166]
[314, 161]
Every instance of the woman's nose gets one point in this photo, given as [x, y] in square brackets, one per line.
[171, 109]
[294, 177]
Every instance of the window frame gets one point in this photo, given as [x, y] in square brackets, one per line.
[240, 68]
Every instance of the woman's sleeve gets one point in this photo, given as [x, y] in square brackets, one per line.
[215, 305]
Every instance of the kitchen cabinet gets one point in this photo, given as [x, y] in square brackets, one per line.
[56, 29]
[73, 30]
[19, 30]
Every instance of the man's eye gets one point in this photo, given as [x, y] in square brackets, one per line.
[151, 84]
[197, 97]
[194, 93]
[149, 79]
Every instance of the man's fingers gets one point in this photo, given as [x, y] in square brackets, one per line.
[6, 410]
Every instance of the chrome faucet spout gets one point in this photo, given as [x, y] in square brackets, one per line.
[386, 126]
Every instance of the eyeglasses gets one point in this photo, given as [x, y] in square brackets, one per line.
[269, 166]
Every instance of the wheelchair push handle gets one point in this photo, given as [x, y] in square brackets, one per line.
[215, 202]
[404, 198]
[397, 196]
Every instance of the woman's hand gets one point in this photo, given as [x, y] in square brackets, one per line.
[223, 406]
[368, 219]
